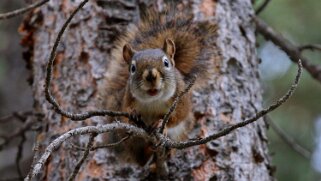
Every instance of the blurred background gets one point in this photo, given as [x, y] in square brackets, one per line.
[300, 118]
[15, 93]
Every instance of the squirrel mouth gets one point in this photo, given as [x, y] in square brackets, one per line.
[152, 92]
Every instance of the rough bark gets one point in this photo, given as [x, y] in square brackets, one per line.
[233, 94]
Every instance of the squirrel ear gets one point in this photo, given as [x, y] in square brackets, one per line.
[128, 53]
[169, 48]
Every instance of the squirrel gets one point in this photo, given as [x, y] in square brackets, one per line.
[152, 63]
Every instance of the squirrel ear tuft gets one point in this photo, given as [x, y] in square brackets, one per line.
[128, 53]
[169, 48]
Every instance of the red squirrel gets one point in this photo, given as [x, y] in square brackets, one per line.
[152, 63]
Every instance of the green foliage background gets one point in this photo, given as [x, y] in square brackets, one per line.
[300, 22]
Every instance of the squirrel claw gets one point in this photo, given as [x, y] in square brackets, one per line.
[155, 126]
[137, 119]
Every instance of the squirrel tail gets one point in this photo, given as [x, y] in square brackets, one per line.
[194, 50]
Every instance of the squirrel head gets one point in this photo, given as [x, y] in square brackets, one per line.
[152, 72]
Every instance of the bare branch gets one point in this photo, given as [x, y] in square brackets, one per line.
[310, 47]
[85, 155]
[51, 99]
[173, 107]
[111, 144]
[18, 132]
[181, 145]
[288, 140]
[290, 49]
[102, 146]
[19, 154]
[20, 116]
[35, 156]
[161, 164]
[22, 10]
[54, 145]
[262, 7]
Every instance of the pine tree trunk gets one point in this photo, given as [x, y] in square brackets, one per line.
[233, 94]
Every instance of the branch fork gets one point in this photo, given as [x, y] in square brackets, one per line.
[162, 142]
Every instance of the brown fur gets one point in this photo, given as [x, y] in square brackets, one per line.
[192, 53]
[185, 43]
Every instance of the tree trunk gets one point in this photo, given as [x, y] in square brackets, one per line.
[233, 94]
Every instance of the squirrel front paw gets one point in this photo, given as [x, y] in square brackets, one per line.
[137, 120]
[156, 127]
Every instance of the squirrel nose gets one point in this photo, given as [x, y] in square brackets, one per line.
[150, 76]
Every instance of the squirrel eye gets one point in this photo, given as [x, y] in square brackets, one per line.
[133, 68]
[165, 60]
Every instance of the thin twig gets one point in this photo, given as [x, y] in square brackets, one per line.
[35, 156]
[18, 132]
[22, 10]
[102, 146]
[305, 153]
[84, 157]
[161, 164]
[51, 99]
[289, 48]
[111, 144]
[19, 154]
[173, 107]
[54, 145]
[229, 129]
[310, 47]
[20, 116]
[262, 7]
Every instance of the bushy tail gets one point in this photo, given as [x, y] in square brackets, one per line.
[194, 51]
